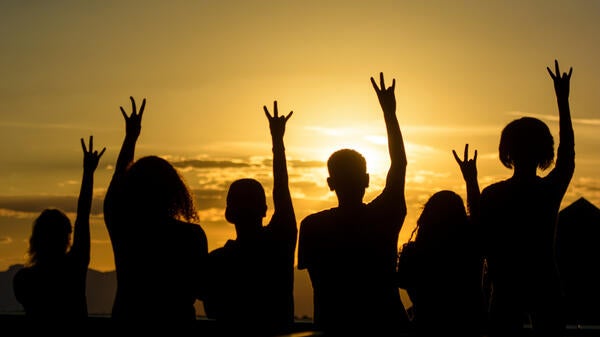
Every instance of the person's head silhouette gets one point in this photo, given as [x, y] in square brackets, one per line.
[442, 214]
[154, 188]
[246, 205]
[348, 176]
[51, 236]
[526, 143]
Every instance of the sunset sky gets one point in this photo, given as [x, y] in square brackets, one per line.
[463, 70]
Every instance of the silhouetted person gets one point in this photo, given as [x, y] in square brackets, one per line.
[159, 251]
[350, 250]
[52, 285]
[251, 278]
[519, 216]
[441, 269]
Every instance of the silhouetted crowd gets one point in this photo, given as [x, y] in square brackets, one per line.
[484, 268]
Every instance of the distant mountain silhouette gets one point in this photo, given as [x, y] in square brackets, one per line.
[101, 287]
[578, 244]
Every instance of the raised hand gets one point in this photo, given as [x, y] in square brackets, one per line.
[386, 96]
[468, 167]
[133, 123]
[561, 81]
[91, 157]
[276, 122]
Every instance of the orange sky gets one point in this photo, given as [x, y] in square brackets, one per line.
[463, 69]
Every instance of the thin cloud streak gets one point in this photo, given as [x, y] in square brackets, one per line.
[555, 118]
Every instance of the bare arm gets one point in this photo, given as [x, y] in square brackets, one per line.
[133, 127]
[284, 211]
[468, 168]
[565, 157]
[395, 183]
[81, 233]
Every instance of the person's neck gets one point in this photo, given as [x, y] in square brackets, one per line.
[247, 230]
[349, 203]
[525, 172]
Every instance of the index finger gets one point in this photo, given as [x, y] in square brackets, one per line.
[550, 72]
[142, 107]
[132, 103]
[266, 112]
[289, 115]
[374, 84]
[456, 157]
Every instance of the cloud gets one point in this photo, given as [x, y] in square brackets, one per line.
[207, 164]
[306, 163]
[555, 118]
[9, 213]
[35, 204]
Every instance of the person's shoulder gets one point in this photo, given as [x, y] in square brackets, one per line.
[494, 187]
[223, 253]
[318, 217]
[23, 274]
[189, 226]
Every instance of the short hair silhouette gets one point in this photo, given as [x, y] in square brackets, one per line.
[346, 163]
[153, 187]
[250, 278]
[526, 139]
[348, 175]
[245, 200]
[50, 236]
[350, 250]
[523, 277]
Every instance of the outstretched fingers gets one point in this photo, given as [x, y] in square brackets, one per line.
[123, 112]
[374, 85]
[465, 155]
[381, 87]
[132, 104]
[142, 108]
[267, 112]
[276, 112]
[556, 74]
[89, 150]
[134, 110]
[567, 76]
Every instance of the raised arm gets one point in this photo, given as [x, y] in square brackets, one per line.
[395, 183]
[133, 127]
[81, 233]
[283, 215]
[565, 156]
[468, 168]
